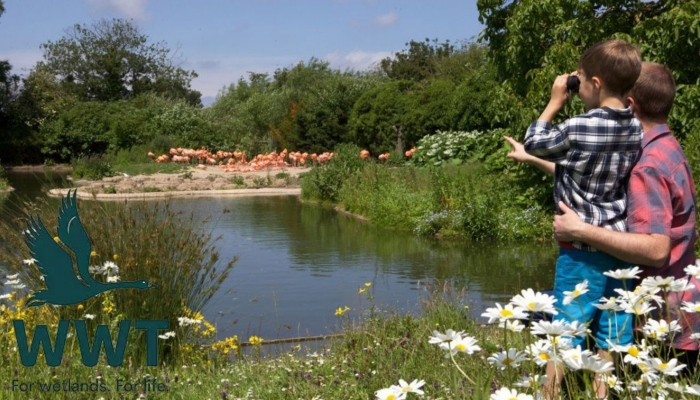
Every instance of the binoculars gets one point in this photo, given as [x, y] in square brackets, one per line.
[573, 83]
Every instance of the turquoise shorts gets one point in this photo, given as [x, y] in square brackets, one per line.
[573, 267]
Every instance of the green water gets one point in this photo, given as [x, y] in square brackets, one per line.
[299, 262]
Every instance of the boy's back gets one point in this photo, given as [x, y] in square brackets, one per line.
[594, 154]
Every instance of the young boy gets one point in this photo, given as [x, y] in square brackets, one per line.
[593, 155]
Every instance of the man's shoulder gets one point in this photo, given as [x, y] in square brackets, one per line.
[664, 154]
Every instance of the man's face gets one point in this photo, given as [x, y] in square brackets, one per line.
[588, 91]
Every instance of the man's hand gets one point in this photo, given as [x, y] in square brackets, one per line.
[568, 225]
[518, 154]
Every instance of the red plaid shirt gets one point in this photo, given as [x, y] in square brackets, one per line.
[661, 200]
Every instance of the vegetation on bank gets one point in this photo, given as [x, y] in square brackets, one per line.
[4, 184]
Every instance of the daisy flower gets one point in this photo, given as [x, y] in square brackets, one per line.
[112, 279]
[657, 282]
[413, 387]
[535, 302]
[550, 328]
[669, 368]
[693, 270]
[391, 393]
[608, 304]
[508, 394]
[499, 313]
[612, 382]
[691, 307]
[449, 336]
[513, 326]
[675, 386]
[463, 345]
[13, 276]
[167, 335]
[578, 329]
[540, 352]
[89, 316]
[580, 289]
[660, 329]
[512, 358]
[532, 381]
[638, 308]
[624, 274]
[573, 357]
[681, 285]
[5, 296]
[693, 389]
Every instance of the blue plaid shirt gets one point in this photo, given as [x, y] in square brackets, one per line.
[594, 154]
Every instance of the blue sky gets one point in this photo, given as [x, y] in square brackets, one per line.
[222, 40]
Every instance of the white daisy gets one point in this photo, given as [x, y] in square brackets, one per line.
[512, 358]
[624, 274]
[608, 304]
[532, 381]
[449, 336]
[612, 382]
[657, 282]
[669, 368]
[413, 387]
[693, 270]
[498, 313]
[13, 276]
[114, 278]
[392, 393]
[681, 285]
[89, 316]
[12, 282]
[167, 335]
[691, 307]
[578, 329]
[508, 394]
[580, 289]
[540, 352]
[573, 357]
[693, 389]
[660, 329]
[675, 386]
[550, 328]
[638, 308]
[5, 296]
[513, 326]
[695, 336]
[533, 301]
[465, 345]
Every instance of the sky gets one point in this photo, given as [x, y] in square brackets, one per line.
[224, 40]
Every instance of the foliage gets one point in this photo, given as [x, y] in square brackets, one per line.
[323, 182]
[4, 184]
[455, 147]
[145, 241]
[420, 61]
[466, 201]
[112, 60]
[92, 168]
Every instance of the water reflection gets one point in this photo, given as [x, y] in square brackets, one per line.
[298, 263]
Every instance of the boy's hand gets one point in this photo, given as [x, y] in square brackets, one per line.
[518, 154]
[559, 93]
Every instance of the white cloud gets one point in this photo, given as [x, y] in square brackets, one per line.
[132, 9]
[386, 19]
[357, 60]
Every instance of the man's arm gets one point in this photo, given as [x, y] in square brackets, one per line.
[520, 155]
[643, 249]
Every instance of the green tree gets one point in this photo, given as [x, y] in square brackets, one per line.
[420, 61]
[112, 60]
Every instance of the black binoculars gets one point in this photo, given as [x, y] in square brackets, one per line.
[573, 83]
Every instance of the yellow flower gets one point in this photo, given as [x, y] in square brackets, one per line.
[361, 290]
[115, 257]
[93, 253]
[297, 347]
[466, 307]
[341, 311]
[255, 341]
[368, 284]
[80, 307]
[56, 239]
[108, 309]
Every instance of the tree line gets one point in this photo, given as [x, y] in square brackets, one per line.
[105, 87]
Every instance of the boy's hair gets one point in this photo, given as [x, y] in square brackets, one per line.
[615, 62]
[654, 92]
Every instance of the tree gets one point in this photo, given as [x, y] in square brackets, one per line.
[420, 61]
[112, 60]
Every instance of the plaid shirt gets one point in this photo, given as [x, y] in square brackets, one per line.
[662, 201]
[594, 154]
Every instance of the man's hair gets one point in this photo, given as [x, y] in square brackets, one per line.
[615, 62]
[654, 92]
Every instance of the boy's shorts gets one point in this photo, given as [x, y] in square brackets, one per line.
[573, 267]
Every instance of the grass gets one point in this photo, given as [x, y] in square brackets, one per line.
[151, 168]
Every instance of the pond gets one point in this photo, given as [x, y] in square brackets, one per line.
[299, 262]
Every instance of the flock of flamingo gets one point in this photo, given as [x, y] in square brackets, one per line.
[237, 162]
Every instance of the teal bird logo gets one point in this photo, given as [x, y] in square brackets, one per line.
[63, 286]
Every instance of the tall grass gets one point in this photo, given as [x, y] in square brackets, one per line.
[147, 241]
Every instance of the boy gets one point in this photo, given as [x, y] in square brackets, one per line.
[593, 155]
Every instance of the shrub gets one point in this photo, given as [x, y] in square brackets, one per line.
[109, 189]
[92, 168]
[4, 184]
[323, 182]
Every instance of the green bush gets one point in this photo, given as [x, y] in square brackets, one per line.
[323, 182]
[4, 184]
[91, 168]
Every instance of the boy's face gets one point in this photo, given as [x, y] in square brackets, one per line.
[588, 91]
